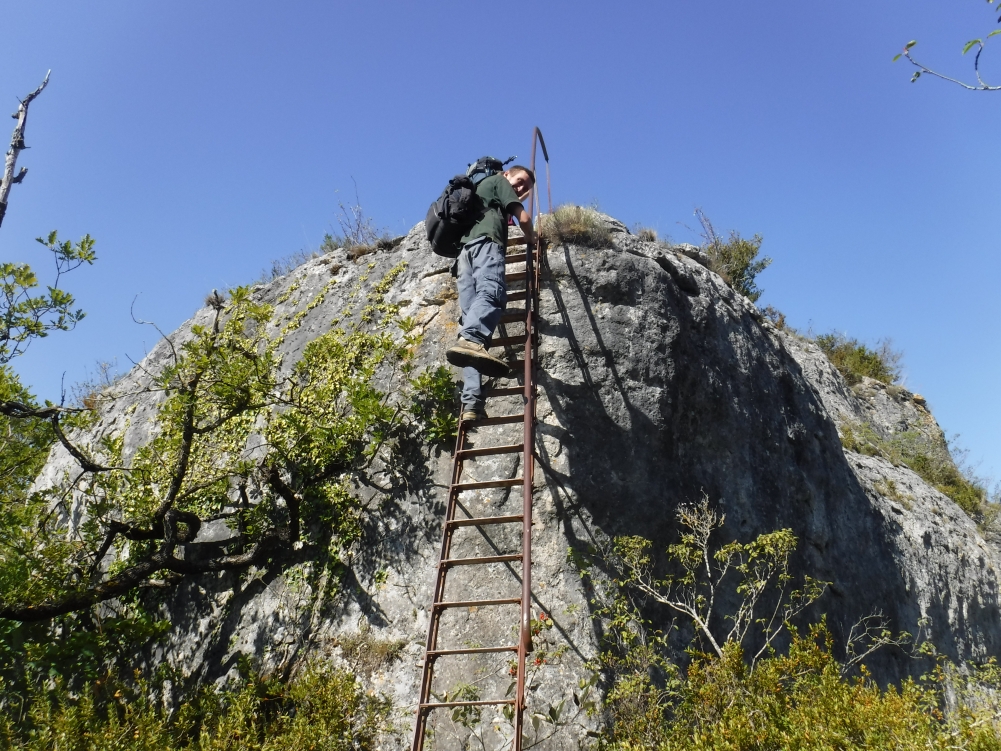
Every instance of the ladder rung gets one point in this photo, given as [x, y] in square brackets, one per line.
[482, 561]
[471, 650]
[520, 294]
[517, 368]
[476, 603]
[513, 316]
[503, 419]
[512, 241]
[507, 341]
[487, 484]
[483, 521]
[482, 703]
[519, 276]
[516, 258]
[514, 448]
[506, 391]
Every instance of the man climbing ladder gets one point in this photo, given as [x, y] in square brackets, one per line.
[475, 524]
[482, 288]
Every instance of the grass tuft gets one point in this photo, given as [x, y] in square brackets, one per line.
[576, 225]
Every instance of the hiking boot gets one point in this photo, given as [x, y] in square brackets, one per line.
[471, 414]
[467, 354]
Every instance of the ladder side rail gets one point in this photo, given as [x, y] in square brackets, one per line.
[427, 671]
[524, 642]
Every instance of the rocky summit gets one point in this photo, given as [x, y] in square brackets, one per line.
[659, 386]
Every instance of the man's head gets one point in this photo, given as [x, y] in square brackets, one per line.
[521, 178]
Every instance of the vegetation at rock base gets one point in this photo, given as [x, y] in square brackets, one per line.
[735, 258]
[797, 699]
[854, 360]
[576, 225]
[742, 689]
[322, 708]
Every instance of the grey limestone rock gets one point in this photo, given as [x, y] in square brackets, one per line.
[658, 383]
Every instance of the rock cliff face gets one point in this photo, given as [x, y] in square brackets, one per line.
[658, 383]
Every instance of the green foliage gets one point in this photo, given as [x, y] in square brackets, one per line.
[733, 698]
[75, 649]
[576, 225]
[433, 406]
[237, 437]
[25, 315]
[797, 700]
[735, 259]
[932, 463]
[24, 444]
[323, 709]
[700, 569]
[855, 360]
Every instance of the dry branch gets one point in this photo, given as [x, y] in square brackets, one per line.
[16, 147]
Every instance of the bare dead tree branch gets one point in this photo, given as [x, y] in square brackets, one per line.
[16, 147]
[23, 411]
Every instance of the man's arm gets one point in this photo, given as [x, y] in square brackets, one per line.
[524, 221]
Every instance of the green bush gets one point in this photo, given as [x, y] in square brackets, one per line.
[576, 225]
[798, 700]
[324, 709]
[742, 691]
[735, 259]
[855, 360]
[433, 406]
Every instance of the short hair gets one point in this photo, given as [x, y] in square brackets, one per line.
[526, 170]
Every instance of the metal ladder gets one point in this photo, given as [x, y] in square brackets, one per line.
[463, 453]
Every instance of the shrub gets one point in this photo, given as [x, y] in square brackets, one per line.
[855, 360]
[433, 406]
[776, 316]
[932, 464]
[734, 258]
[323, 709]
[803, 700]
[576, 225]
[732, 697]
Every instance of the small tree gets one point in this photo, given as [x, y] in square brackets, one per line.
[236, 439]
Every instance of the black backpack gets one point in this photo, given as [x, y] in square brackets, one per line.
[458, 208]
[452, 216]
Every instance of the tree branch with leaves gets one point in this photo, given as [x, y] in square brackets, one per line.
[237, 439]
[978, 44]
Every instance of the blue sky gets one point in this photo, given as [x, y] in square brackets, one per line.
[198, 141]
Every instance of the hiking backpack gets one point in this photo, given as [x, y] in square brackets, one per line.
[452, 216]
[486, 166]
[458, 208]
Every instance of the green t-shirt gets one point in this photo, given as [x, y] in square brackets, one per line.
[497, 196]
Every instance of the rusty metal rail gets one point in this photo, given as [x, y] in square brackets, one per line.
[528, 315]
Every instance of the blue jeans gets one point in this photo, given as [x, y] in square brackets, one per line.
[482, 297]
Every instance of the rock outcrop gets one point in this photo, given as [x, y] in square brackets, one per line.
[658, 383]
